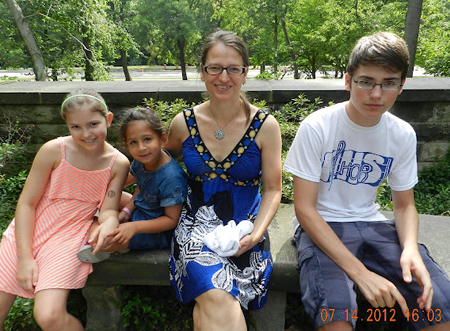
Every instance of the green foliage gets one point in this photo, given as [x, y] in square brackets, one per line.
[10, 188]
[431, 193]
[20, 317]
[167, 110]
[13, 142]
[269, 75]
[152, 307]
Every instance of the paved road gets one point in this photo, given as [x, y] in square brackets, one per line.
[150, 74]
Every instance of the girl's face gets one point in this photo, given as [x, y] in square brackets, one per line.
[88, 128]
[144, 144]
[223, 86]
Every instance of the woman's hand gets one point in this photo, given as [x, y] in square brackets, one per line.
[246, 243]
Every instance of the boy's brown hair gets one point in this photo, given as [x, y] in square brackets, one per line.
[382, 49]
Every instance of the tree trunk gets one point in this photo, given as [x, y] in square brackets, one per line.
[32, 47]
[181, 45]
[88, 56]
[412, 31]
[123, 61]
[275, 41]
[291, 51]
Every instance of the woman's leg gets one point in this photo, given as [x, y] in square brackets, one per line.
[6, 302]
[219, 311]
[50, 311]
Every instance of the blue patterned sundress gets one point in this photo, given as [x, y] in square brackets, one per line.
[217, 193]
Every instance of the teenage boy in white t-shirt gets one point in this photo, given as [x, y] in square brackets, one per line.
[339, 157]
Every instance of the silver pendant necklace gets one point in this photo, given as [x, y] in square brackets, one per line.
[219, 134]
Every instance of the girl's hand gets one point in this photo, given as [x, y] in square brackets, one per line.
[27, 274]
[123, 234]
[100, 238]
[123, 217]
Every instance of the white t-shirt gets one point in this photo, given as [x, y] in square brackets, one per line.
[350, 161]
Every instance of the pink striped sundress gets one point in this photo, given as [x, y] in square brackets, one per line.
[63, 217]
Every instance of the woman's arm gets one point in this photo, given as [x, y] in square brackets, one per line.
[269, 141]
[178, 132]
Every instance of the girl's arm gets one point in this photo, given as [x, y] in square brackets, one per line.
[168, 221]
[109, 211]
[47, 159]
[269, 141]
[124, 216]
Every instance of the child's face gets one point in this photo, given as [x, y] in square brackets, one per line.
[144, 144]
[366, 107]
[88, 128]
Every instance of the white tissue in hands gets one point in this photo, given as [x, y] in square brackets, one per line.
[224, 240]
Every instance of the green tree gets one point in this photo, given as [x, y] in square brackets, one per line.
[29, 39]
[433, 50]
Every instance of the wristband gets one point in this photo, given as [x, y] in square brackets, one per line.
[125, 209]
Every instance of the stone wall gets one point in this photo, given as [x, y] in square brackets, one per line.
[425, 103]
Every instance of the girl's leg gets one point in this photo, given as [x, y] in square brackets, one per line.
[50, 311]
[6, 302]
[219, 311]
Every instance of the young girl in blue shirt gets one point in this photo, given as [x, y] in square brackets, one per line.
[148, 218]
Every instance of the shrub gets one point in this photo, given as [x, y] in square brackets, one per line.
[152, 307]
[431, 193]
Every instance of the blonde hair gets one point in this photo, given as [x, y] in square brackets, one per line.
[84, 98]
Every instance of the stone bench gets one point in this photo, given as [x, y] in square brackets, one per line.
[151, 268]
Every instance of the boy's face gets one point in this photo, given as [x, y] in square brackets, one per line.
[366, 107]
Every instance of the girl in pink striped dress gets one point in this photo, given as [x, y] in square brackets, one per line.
[71, 177]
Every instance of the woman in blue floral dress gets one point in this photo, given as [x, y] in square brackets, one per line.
[229, 148]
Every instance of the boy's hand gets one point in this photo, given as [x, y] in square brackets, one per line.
[123, 234]
[27, 274]
[412, 263]
[380, 292]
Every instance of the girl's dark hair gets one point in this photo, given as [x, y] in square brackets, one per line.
[139, 114]
[229, 39]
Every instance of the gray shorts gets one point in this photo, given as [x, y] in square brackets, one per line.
[329, 295]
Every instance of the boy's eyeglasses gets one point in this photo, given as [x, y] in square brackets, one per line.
[231, 70]
[385, 86]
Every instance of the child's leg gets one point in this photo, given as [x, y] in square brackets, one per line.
[6, 302]
[50, 311]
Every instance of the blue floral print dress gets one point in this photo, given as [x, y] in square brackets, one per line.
[217, 193]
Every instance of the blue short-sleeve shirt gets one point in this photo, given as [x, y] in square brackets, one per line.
[164, 187]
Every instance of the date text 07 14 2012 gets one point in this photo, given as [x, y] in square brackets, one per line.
[381, 315]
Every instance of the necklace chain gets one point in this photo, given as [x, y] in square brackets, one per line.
[219, 134]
